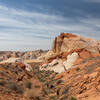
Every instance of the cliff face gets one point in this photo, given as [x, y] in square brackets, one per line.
[67, 42]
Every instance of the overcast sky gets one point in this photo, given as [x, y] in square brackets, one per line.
[32, 24]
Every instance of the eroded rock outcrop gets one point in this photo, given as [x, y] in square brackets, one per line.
[67, 42]
[28, 55]
[67, 48]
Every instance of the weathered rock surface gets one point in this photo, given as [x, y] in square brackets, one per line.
[4, 55]
[67, 42]
[55, 65]
[54, 62]
[83, 78]
[70, 60]
[19, 60]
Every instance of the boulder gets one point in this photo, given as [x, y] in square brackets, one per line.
[70, 60]
[53, 63]
[28, 67]
[44, 65]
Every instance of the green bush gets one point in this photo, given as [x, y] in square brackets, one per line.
[54, 97]
[59, 81]
[64, 97]
[28, 85]
[77, 69]
[72, 98]
[15, 87]
[65, 90]
[2, 83]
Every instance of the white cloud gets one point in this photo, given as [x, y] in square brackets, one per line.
[3, 7]
[93, 1]
[32, 28]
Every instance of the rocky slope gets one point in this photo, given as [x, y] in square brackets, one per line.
[82, 80]
[16, 83]
[77, 61]
[69, 71]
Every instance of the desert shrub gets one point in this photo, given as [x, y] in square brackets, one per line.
[6, 66]
[41, 79]
[59, 81]
[28, 85]
[51, 86]
[50, 91]
[65, 90]
[77, 69]
[72, 98]
[44, 92]
[32, 94]
[58, 91]
[2, 73]
[16, 88]
[19, 70]
[53, 97]
[64, 97]
[2, 82]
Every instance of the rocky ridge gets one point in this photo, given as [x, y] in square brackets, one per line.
[28, 55]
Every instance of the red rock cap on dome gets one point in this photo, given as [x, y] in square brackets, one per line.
[67, 35]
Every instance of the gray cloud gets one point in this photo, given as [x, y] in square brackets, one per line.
[21, 29]
[92, 1]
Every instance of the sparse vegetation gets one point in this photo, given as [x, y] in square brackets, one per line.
[77, 69]
[59, 81]
[72, 98]
[58, 91]
[32, 94]
[15, 87]
[2, 82]
[64, 97]
[53, 97]
[65, 90]
[2, 73]
[44, 92]
[28, 85]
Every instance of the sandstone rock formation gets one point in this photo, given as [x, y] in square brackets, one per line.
[28, 55]
[67, 42]
[55, 65]
[70, 60]
[78, 67]
[19, 60]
